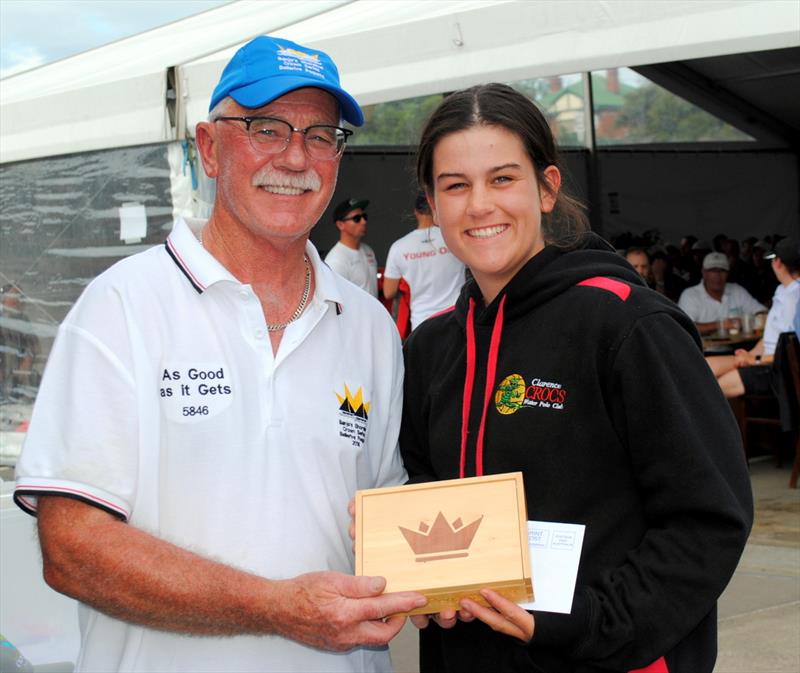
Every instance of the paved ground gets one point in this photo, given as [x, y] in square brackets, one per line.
[759, 613]
[759, 621]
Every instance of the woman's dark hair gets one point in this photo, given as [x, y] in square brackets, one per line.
[500, 105]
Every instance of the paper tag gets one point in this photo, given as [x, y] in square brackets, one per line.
[555, 556]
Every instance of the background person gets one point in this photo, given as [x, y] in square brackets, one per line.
[191, 455]
[651, 464]
[19, 347]
[640, 261]
[751, 371]
[351, 258]
[434, 275]
[714, 302]
[665, 280]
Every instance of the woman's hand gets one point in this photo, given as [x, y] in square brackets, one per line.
[351, 508]
[446, 619]
[502, 615]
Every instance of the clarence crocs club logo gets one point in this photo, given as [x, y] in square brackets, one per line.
[514, 394]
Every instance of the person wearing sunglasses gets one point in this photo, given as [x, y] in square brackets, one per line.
[194, 445]
[350, 257]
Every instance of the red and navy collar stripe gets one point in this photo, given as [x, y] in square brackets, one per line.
[183, 266]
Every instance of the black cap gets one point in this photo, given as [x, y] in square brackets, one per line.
[788, 251]
[346, 206]
[421, 204]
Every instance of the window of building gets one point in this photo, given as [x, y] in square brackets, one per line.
[561, 100]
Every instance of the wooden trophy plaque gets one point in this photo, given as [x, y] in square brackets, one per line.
[447, 539]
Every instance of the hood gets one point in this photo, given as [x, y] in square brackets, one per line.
[547, 275]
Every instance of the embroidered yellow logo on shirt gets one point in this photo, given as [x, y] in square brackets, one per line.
[353, 404]
[353, 416]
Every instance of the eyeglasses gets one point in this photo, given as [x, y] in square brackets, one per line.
[274, 135]
[356, 218]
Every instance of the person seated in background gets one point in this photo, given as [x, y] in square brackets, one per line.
[665, 280]
[19, 346]
[698, 252]
[434, 275]
[746, 249]
[640, 261]
[740, 272]
[713, 301]
[351, 258]
[684, 264]
[764, 278]
[750, 371]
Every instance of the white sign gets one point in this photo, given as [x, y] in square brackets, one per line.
[132, 222]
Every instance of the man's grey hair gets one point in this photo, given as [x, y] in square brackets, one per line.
[222, 109]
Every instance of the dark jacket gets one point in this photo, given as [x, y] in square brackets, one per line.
[601, 397]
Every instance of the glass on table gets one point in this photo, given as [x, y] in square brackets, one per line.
[734, 321]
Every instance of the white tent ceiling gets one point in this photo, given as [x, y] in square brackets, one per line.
[385, 49]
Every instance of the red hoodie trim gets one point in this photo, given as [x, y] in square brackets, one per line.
[442, 312]
[469, 383]
[658, 666]
[491, 370]
[617, 287]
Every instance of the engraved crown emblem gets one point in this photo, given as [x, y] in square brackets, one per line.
[442, 540]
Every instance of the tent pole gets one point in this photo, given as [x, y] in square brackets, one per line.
[592, 167]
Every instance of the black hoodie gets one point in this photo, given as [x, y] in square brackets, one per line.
[600, 395]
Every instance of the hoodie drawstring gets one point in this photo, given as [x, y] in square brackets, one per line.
[469, 381]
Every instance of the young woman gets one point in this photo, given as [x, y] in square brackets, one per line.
[557, 361]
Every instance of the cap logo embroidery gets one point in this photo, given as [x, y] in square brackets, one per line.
[293, 59]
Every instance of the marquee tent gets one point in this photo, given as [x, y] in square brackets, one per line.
[155, 86]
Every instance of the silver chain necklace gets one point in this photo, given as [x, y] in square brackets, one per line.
[301, 306]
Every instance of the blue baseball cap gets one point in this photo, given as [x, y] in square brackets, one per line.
[267, 67]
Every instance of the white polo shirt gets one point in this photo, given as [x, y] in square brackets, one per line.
[358, 266]
[702, 307]
[781, 315]
[434, 274]
[162, 403]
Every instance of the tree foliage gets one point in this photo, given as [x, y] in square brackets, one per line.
[651, 114]
[395, 123]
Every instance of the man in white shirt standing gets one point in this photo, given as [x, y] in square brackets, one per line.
[351, 258]
[433, 273]
[194, 446]
[714, 301]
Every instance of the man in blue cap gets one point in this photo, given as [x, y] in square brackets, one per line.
[194, 446]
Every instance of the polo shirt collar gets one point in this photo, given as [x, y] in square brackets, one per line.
[202, 269]
[199, 266]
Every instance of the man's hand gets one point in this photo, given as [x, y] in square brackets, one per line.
[338, 612]
[127, 573]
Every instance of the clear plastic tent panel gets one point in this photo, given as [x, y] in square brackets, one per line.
[60, 224]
